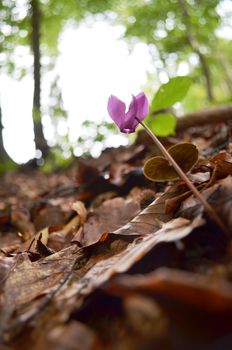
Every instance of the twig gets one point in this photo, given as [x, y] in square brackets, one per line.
[212, 213]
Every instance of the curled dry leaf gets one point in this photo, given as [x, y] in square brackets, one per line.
[79, 207]
[31, 243]
[222, 163]
[159, 169]
[77, 221]
[199, 177]
[42, 248]
[73, 224]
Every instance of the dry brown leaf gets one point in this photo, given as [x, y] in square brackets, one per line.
[72, 225]
[115, 215]
[199, 177]
[49, 216]
[196, 290]
[102, 270]
[223, 160]
[31, 243]
[20, 218]
[219, 196]
[79, 207]
[77, 221]
[29, 280]
[110, 216]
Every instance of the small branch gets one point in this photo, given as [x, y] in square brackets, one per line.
[183, 176]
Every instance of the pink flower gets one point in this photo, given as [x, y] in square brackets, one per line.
[128, 121]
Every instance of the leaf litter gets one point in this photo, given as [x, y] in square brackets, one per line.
[97, 257]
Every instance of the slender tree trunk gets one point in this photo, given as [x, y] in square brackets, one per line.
[195, 47]
[228, 73]
[40, 141]
[3, 154]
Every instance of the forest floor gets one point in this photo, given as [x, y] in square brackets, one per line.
[95, 256]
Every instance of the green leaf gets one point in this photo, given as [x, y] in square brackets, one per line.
[170, 93]
[163, 124]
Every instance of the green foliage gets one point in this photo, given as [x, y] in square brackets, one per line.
[170, 93]
[163, 124]
[7, 166]
[56, 160]
[95, 134]
[15, 32]
[164, 25]
[175, 37]
[57, 13]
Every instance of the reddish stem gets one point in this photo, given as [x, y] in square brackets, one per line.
[212, 213]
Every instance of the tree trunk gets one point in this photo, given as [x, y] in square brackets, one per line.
[3, 154]
[195, 47]
[40, 141]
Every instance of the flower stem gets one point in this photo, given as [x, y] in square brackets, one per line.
[212, 213]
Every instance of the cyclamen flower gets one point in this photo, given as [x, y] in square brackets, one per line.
[128, 121]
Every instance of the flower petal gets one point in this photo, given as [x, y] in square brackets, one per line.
[142, 106]
[130, 122]
[116, 109]
[127, 122]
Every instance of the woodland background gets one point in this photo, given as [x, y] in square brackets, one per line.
[192, 34]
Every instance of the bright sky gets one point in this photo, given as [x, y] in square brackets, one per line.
[94, 63]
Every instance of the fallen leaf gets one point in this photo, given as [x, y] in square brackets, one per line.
[219, 197]
[110, 216]
[101, 271]
[79, 207]
[29, 280]
[222, 163]
[20, 218]
[199, 177]
[49, 216]
[193, 289]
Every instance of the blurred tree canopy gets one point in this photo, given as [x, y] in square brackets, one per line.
[37, 25]
[183, 31]
[177, 31]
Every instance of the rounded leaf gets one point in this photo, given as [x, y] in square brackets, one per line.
[159, 169]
